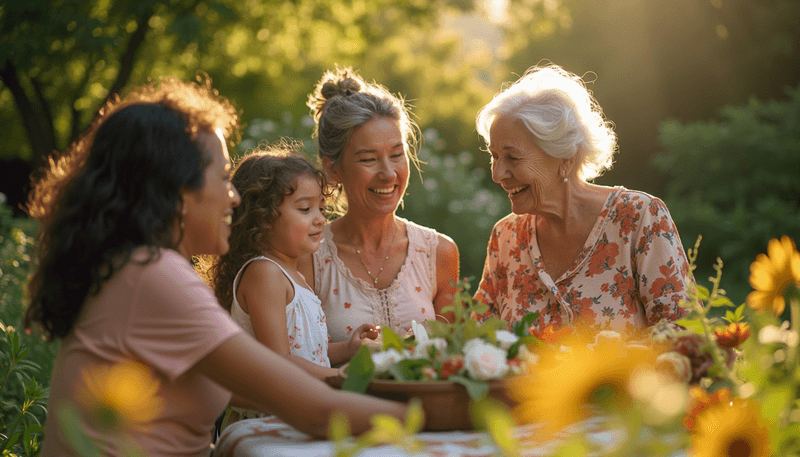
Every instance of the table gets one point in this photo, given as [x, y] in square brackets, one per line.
[274, 438]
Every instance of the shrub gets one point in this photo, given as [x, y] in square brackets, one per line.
[735, 181]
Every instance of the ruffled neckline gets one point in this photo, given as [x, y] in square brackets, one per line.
[328, 236]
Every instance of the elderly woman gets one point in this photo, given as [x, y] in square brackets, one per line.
[123, 212]
[575, 252]
[373, 267]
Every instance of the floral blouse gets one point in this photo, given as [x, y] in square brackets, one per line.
[631, 272]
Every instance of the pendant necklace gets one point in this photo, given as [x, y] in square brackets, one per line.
[385, 260]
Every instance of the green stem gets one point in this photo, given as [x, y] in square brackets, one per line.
[11, 433]
[791, 356]
[716, 352]
[794, 307]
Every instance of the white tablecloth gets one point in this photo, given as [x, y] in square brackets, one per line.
[270, 437]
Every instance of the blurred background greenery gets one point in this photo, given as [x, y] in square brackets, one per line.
[703, 93]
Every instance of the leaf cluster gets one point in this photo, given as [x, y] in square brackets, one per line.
[735, 181]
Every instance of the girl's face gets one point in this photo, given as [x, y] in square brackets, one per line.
[526, 173]
[374, 167]
[298, 229]
[207, 211]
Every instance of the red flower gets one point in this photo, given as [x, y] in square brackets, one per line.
[604, 258]
[452, 365]
[550, 335]
[701, 400]
[733, 335]
[670, 283]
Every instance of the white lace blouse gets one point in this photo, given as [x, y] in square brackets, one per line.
[349, 301]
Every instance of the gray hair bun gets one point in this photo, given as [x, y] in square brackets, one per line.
[340, 82]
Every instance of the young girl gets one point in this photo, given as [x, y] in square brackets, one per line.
[280, 219]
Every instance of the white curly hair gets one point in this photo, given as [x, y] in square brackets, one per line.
[560, 111]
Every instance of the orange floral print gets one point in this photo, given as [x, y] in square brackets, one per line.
[630, 273]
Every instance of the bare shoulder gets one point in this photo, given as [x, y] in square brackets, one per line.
[447, 258]
[263, 279]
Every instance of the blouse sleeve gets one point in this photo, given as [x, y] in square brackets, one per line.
[176, 320]
[661, 264]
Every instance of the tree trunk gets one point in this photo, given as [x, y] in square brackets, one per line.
[34, 118]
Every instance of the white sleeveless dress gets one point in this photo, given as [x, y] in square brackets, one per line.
[305, 326]
[349, 301]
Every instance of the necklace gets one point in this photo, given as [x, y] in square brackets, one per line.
[385, 260]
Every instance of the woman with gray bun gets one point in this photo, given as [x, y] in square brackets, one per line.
[373, 266]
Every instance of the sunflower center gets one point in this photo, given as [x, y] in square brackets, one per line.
[740, 447]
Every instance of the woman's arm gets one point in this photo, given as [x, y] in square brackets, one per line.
[241, 402]
[250, 370]
[447, 271]
[266, 291]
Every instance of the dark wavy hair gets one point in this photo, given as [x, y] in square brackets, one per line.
[118, 188]
[263, 178]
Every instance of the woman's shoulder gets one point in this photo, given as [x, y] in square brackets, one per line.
[512, 223]
[626, 194]
[163, 262]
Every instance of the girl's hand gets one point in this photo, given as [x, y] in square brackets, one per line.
[361, 335]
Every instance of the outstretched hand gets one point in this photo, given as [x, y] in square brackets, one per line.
[364, 333]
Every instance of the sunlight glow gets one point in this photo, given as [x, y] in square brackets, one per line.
[496, 10]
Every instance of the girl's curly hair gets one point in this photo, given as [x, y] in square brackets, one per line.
[263, 178]
[118, 188]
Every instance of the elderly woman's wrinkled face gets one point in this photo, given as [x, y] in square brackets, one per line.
[528, 175]
[374, 167]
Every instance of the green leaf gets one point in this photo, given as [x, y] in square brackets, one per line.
[491, 415]
[526, 340]
[475, 389]
[391, 339]
[223, 10]
[702, 292]
[520, 328]
[360, 371]
[691, 325]
[77, 438]
[721, 301]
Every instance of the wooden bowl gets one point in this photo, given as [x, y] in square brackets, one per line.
[446, 404]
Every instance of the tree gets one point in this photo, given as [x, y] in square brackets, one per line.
[734, 180]
[60, 60]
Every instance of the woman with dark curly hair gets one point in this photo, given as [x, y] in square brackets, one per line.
[279, 219]
[123, 211]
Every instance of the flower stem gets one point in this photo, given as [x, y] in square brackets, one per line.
[716, 352]
[794, 309]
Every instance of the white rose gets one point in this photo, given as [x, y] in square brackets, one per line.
[485, 361]
[383, 360]
[772, 334]
[421, 350]
[505, 338]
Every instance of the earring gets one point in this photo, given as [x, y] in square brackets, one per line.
[182, 224]
[564, 174]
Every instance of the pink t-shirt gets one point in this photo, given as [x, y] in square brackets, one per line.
[631, 272]
[162, 315]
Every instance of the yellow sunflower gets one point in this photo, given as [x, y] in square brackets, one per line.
[122, 394]
[566, 383]
[734, 429]
[771, 274]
